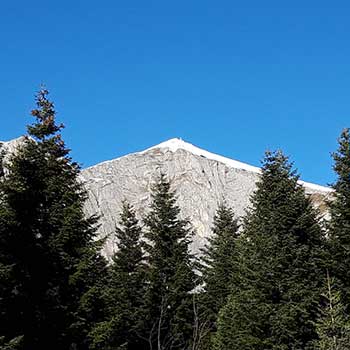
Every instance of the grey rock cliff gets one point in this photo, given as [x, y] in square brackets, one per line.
[201, 180]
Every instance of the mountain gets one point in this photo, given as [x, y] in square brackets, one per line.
[200, 178]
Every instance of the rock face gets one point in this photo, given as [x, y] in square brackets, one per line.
[9, 147]
[201, 180]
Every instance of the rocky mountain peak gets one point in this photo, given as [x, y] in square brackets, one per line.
[201, 179]
[177, 143]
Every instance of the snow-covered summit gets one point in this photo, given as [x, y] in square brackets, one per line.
[176, 143]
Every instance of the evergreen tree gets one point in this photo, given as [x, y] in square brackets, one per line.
[339, 226]
[50, 266]
[125, 290]
[277, 285]
[218, 264]
[332, 327]
[170, 277]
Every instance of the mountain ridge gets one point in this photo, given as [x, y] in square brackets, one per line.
[200, 178]
[175, 144]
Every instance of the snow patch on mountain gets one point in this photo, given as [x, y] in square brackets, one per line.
[175, 144]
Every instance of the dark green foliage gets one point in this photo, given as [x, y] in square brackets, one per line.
[276, 289]
[332, 327]
[218, 264]
[170, 277]
[13, 344]
[339, 226]
[2, 155]
[125, 291]
[90, 281]
[50, 267]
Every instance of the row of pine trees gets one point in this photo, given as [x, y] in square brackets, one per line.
[277, 279]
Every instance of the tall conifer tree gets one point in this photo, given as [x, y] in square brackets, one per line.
[49, 260]
[333, 328]
[218, 264]
[339, 226]
[125, 290]
[170, 276]
[274, 303]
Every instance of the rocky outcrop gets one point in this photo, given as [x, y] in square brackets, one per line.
[9, 147]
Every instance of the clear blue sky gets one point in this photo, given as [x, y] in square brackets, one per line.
[233, 77]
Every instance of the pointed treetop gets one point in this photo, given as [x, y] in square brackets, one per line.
[278, 178]
[277, 161]
[342, 161]
[45, 113]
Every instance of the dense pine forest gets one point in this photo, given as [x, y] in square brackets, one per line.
[276, 279]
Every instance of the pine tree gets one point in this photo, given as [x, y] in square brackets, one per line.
[218, 264]
[275, 295]
[332, 327]
[50, 266]
[170, 277]
[339, 226]
[125, 290]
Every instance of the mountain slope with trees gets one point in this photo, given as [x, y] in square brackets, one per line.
[274, 277]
